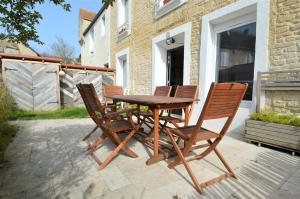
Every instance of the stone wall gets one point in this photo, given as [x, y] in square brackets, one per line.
[284, 51]
[1, 77]
[145, 27]
[284, 101]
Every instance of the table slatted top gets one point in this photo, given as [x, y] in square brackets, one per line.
[150, 99]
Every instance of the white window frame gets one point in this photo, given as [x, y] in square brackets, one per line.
[161, 10]
[103, 25]
[120, 70]
[124, 26]
[208, 43]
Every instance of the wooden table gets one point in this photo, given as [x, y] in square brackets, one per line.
[156, 104]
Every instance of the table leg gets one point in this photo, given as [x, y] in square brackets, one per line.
[155, 158]
[114, 108]
[186, 116]
[139, 114]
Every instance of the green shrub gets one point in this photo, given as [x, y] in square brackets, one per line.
[7, 132]
[6, 103]
[274, 117]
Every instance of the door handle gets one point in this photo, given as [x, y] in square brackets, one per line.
[10, 69]
[53, 102]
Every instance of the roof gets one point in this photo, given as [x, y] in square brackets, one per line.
[87, 15]
[30, 57]
[95, 19]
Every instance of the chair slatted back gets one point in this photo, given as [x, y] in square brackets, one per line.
[91, 100]
[186, 91]
[112, 90]
[162, 91]
[223, 101]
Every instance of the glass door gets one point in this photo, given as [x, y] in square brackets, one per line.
[235, 56]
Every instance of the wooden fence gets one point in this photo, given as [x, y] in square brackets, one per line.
[74, 75]
[35, 84]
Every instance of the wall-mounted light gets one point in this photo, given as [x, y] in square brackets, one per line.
[169, 40]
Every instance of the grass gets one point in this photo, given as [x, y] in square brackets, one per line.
[274, 117]
[67, 113]
[7, 132]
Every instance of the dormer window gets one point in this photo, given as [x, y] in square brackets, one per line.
[123, 19]
[163, 7]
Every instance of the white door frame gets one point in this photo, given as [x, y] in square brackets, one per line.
[159, 55]
[207, 64]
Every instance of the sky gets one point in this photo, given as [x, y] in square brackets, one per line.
[57, 22]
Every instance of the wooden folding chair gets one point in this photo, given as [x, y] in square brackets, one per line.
[147, 117]
[185, 91]
[112, 90]
[223, 101]
[106, 109]
[110, 124]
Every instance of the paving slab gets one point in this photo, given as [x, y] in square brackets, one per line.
[47, 160]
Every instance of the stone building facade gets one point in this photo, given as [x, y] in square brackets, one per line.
[284, 51]
[140, 31]
[283, 42]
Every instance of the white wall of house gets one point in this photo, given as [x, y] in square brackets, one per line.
[96, 46]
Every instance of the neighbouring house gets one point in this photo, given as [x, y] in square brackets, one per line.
[94, 37]
[15, 48]
[198, 42]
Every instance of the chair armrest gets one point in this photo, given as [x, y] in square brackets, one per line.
[118, 115]
[179, 133]
[112, 116]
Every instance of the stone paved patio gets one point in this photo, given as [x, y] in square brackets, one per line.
[46, 160]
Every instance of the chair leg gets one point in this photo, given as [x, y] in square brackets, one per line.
[116, 151]
[94, 146]
[125, 148]
[145, 122]
[223, 160]
[185, 163]
[90, 133]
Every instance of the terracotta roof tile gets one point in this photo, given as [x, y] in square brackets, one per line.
[87, 15]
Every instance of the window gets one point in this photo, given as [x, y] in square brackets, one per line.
[236, 53]
[122, 68]
[91, 41]
[123, 18]
[163, 7]
[162, 3]
[103, 28]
